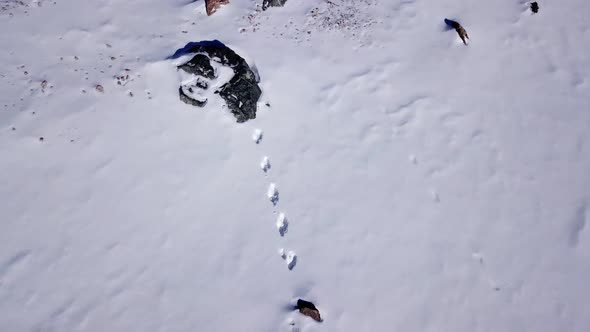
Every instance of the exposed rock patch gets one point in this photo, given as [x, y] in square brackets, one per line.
[308, 309]
[211, 6]
[241, 92]
[273, 3]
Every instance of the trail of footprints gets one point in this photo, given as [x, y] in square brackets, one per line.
[272, 193]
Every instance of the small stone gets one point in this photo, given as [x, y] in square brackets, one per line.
[76, 57]
[534, 7]
[13, 128]
[308, 309]
[99, 88]
[113, 58]
[41, 139]
[459, 28]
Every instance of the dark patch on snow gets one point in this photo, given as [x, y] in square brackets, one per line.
[308, 309]
[200, 65]
[273, 3]
[459, 28]
[241, 93]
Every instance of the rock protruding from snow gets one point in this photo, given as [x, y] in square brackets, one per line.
[459, 28]
[273, 3]
[211, 6]
[200, 65]
[241, 92]
[308, 309]
[191, 96]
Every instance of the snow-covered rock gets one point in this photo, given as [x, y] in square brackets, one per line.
[241, 92]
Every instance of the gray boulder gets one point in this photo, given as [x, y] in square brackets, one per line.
[241, 92]
[273, 3]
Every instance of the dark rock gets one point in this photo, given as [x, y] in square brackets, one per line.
[308, 309]
[459, 28]
[199, 65]
[195, 101]
[534, 7]
[273, 3]
[202, 84]
[241, 93]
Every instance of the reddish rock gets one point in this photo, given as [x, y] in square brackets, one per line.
[213, 5]
[308, 309]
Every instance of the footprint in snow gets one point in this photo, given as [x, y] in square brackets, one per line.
[273, 194]
[289, 257]
[435, 196]
[257, 136]
[282, 224]
[265, 164]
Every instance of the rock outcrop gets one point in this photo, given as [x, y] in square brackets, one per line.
[211, 6]
[308, 309]
[241, 92]
[273, 3]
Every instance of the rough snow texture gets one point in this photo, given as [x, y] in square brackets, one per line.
[431, 186]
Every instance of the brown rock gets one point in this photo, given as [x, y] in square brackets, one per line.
[459, 28]
[212, 5]
[308, 309]
[311, 313]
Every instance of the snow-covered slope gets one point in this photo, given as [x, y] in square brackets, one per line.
[425, 185]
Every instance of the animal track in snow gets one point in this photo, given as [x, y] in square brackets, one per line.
[289, 257]
[578, 225]
[434, 195]
[12, 263]
[265, 164]
[273, 194]
[406, 113]
[257, 136]
[282, 224]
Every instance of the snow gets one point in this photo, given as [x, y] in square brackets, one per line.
[430, 186]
